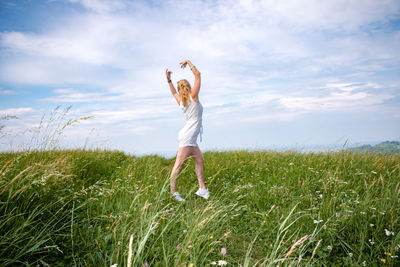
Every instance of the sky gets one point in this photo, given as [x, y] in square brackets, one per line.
[275, 74]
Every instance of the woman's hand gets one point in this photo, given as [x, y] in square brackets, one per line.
[184, 63]
[168, 73]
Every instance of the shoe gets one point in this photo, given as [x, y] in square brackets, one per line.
[178, 197]
[204, 193]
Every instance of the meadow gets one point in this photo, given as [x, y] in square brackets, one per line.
[106, 208]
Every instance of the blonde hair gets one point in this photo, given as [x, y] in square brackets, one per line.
[184, 91]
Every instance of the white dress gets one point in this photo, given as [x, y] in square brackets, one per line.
[194, 124]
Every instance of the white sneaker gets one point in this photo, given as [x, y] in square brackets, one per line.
[204, 193]
[178, 197]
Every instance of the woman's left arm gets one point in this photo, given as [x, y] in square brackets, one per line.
[197, 79]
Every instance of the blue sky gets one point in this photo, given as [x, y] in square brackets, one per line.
[275, 74]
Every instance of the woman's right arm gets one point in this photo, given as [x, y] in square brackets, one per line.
[171, 87]
[197, 78]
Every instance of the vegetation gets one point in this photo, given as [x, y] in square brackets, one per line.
[100, 208]
[386, 147]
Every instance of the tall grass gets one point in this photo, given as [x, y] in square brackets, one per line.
[86, 208]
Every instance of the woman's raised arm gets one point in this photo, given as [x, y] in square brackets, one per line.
[171, 86]
[197, 79]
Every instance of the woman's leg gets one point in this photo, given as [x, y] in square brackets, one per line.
[199, 161]
[183, 154]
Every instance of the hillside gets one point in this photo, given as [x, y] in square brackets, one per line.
[387, 147]
[100, 208]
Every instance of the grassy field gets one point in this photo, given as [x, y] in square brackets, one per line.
[100, 208]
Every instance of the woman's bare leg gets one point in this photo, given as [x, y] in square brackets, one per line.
[199, 161]
[182, 156]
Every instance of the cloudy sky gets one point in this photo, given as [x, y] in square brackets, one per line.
[275, 74]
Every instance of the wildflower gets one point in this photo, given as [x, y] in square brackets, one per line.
[101, 204]
[211, 237]
[364, 263]
[291, 163]
[350, 254]
[114, 265]
[371, 242]
[388, 233]
[317, 221]
[337, 215]
[190, 265]
[329, 247]
[185, 231]
[213, 263]
[146, 264]
[374, 172]
[222, 262]
[373, 215]
[283, 178]
[394, 256]
[264, 222]
[388, 253]
[226, 234]
[108, 227]
[383, 260]
[270, 245]
[371, 225]
[223, 251]
[362, 212]
[189, 246]
[178, 247]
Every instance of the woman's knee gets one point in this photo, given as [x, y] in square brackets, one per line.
[199, 159]
[179, 163]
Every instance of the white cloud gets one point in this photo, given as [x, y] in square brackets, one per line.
[7, 92]
[340, 97]
[16, 111]
[101, 5]
[75, 96]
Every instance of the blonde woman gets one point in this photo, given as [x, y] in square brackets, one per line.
[188, 100]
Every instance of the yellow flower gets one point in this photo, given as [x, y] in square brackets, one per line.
[226, 234]
[383, 260]
[264, 222]
[388, 253]
[108, 227]
[270, 245]
[211, 237]
[190, 265]
[266, 214]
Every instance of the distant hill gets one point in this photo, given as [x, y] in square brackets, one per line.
[387, 147]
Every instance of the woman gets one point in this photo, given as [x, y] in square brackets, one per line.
[188, 100]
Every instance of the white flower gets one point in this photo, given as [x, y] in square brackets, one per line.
[213, 263]
[329, 247]
[114, 265]
[324, 226]
[222, 262]
[388, 233]
[374, 172]
[372, 225]
[317, 221]
[394, 256]
[364, 263]
[371, 242]
[291, 163]
[350, 254]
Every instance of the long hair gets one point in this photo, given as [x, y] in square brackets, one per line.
[184, 91]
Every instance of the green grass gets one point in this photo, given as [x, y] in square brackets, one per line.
[80, 208]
